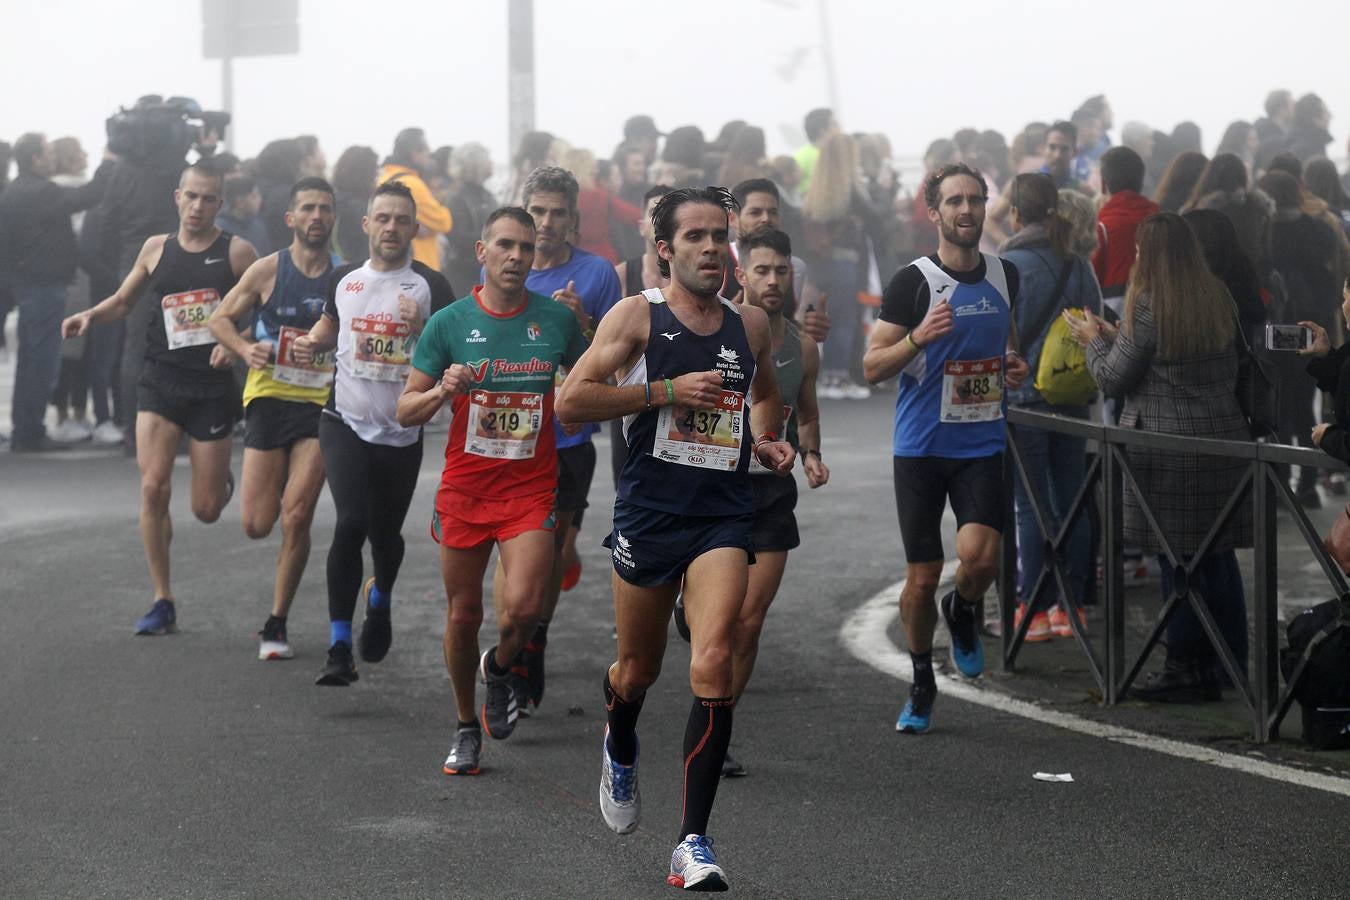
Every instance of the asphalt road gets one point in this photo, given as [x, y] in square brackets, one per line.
[182, 766]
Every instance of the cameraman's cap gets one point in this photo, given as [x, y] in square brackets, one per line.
[641, 127]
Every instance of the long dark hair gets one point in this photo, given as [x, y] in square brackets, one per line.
[1225, 172]
[354, 172]
[1224, 254]
[1179, 180]
[1036, 200]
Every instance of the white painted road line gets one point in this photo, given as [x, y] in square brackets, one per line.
[864, 634]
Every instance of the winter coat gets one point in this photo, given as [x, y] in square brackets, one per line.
[1250, 212]
[1194, 396]
[1333, 376]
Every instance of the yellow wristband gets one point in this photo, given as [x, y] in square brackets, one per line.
[913, 343]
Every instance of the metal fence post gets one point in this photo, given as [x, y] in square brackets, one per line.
[1265, 559]
[1113, 576]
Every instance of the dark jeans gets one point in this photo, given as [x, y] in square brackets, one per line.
[1219, 581]
[838, 280]
[103, 354]
[1056, 465]
[41, 308]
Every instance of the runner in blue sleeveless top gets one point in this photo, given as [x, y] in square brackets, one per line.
[283, 471]
[946, 329]
[686, 360]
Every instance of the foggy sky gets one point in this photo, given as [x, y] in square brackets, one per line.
[913, 71]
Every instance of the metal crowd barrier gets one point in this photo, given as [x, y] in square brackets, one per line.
[1108, 477]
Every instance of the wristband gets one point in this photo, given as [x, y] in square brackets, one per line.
[670, 392]
[913, 343]
[647, 385]
[765, 438]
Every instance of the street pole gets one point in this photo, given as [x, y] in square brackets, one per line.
[827, 57]
[227, 99]
[520, 71]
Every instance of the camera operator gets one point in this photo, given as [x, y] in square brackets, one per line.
[152, 141]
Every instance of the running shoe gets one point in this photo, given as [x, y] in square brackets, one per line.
[161, 619]
[376, 632]
[620, 802]
[273, 643]
[732, 768]
[106, 434]
[681, 623]
[340, 670]
[499, 710]
[571, 576]
[693, 866]
[520, 687]
[1040, 628]
[532, 658]
[1059, 621]
[917, 715]
[463, 758]
[967, 651]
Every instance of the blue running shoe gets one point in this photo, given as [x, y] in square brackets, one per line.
[693, 866]
[161, 619]
[917, 715]
[620, 802]
[967, 651]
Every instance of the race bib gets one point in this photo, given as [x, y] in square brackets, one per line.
[503, 424]
[757, 467]
[972, 390]
[317, 374]
[185, 317]
[703, 438]
[380, 349]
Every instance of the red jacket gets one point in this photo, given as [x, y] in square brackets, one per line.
[1117, 221]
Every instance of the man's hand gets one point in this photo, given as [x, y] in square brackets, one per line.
[777, 456]
[697, 390]
[1015, 369]
[817, 473]
[816, 324]
[75, 325]
[259, 354]
[411, 313]
[569, 298]
[221, 358]
[1318, 432]
[1321, 344]
[936, 323]
[302, 350]
[456, 380]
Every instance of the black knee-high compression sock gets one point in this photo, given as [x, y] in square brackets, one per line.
[705, 747]
[623, 716]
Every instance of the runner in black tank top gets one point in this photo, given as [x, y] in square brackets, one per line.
[186, 385]
[283, 472]
[687, 361]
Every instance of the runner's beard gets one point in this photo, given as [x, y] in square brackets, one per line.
[952, 236]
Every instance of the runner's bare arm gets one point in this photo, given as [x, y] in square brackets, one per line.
[242, 255]
[808, 418]
[423, 395]
[321, 338]
[121, 301]
[1015, 368]
[766, 415]
[892, 347]
[257, 280]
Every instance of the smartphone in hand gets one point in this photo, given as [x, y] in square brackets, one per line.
[1288, 337]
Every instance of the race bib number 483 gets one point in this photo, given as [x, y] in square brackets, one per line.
[703, 438]
[317, 374]
[380, 349]
[185, 317]
[503, 424]
[972, 390]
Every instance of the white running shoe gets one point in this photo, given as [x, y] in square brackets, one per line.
[272, 642]
[72, 431]
[854, 391]
[620, 803]
[693, 866]
[107, 434]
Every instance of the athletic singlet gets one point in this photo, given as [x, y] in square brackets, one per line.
[375, 345]
[691, 462]
[295, 304]
[788, 371]
[186, 288]
[951, 398]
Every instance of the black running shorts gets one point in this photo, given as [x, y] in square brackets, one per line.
[576, 468]
[775, 522]
[651, 547]
[274, 424]
[206, 408]
[924, 484]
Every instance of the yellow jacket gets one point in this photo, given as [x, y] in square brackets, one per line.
[431, 215]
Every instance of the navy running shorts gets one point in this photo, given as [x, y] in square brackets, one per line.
[651, 547]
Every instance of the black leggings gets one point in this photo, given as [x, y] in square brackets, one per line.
[372, 486]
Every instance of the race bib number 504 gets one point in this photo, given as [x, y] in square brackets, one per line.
[185, 317]
[380, 349]
[972, 390]
[703, 438]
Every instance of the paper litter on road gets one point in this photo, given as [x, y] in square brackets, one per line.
[1050, 776]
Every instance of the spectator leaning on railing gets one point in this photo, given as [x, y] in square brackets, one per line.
[1173, 362]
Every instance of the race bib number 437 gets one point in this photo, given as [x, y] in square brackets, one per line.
[185, 317]
[380, 349]
[703, 438]
[972, 390]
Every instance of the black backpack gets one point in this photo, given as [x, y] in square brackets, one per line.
[1321, 634]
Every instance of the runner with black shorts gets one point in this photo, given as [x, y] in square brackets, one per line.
[587, 285]
[947, 330]
[686, 360]
[282, 475]
[373, 317]
[186, 384]
[765, 274]
[494, 355]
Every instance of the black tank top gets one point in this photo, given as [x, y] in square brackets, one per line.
[691, 462]
[185, 288]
